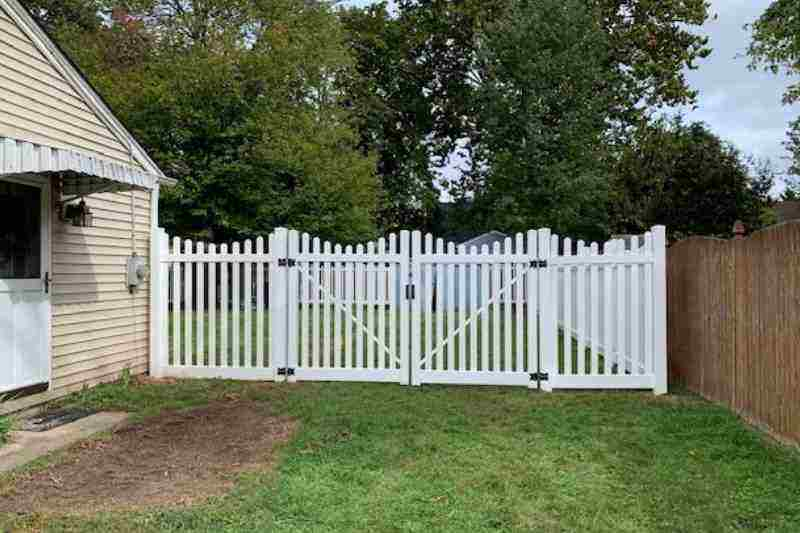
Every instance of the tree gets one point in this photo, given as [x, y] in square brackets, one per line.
[776, 47]
[684, 176]
[242, 102]
[542, 103]
[422, 85]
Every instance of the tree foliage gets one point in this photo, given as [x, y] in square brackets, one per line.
[241, 101]
[776, 47]
[684, 174]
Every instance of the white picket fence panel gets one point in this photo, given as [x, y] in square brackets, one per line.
[534, 311]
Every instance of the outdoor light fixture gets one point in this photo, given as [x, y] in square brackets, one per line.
[79, 214]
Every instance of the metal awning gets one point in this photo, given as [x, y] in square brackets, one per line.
[81, 173]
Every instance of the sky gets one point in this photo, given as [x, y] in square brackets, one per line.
[742, 106]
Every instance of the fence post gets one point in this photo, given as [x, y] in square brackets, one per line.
[660, 311]
[159, 277]
[278, 308]
[291, 293]
[407, 364]
[548, 340]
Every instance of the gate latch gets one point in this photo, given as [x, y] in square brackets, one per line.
[286, 371]
[540, 376]
[542, 263]
[410, 292]
[285, 262]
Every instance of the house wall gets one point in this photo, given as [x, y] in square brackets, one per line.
[98, 327]
[38, 104]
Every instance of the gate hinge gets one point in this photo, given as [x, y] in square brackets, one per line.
[540, 376]
[286, 371]
[286, 262]
[410, 292]
[542, 263]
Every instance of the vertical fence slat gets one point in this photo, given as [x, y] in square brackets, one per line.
[407, 375]
[176, 305]
[315, 299]
[360, 286]
[370, 301]
[474, 271]
[260, 303]
[506, 301]
[660, 309]
[531, 305]
[428, 294]
[566, 306]
[200, 306]
[461, 360]
[622, 347]
[518, 302]
[247, 303]
[188, 307]
[416, 309]
[648, 306]
[292, 277]
[325, 285]
[594, 314]
[497, 353]
[305, 303]
[608, 324]
[381, 275]
[212, 307]
[438, 361]
[224, 305]
[236, 338]
[337, 312]
[580, 312]
[349, 295]
[485, 296]
[548, 343]
[391, 288]
[450, 284]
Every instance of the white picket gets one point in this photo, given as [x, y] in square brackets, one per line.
[532, 302]
[580, 327]
[415, 309]
[224, 304]
[608, 320]
[566, 306]
[360, 286]
[437, 362]
[316, 301]
[409, 365]
[508, 288]
[461, 359]
[291, 279]
[349, 295]
[247, 295]
[188, 307]
[622, 310]
[635, 312]
[260, 305]
[474, 272]
[199, 305]
[594, 314]
[381, 275]
[236, 339]
[336, 290]
[176, 305]
[484, 304]
[325, 288]
[370, 304]
[497, 354]
[547, 310]
[648, 307]
[212, 308]
[428, 293]
[391, 284]
[519, 302]
[450, 283]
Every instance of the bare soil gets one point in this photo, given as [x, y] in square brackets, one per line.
[175, 458]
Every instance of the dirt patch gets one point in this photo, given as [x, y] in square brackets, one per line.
[176, 458]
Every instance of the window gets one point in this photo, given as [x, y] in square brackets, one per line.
[20, 231]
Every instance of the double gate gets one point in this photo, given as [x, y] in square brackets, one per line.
[534, 311]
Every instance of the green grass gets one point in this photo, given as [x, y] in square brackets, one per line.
[371, 457]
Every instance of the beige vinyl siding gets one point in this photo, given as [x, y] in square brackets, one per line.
[39, 105]
[98, 327]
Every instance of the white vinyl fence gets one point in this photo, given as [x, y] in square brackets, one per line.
[412, 309]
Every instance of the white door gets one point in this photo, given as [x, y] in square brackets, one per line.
[24, 294]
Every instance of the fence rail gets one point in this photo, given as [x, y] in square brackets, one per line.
[413, 309]
[734, 323]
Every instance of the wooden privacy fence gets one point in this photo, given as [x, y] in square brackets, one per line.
[734, 323]
[412, 309]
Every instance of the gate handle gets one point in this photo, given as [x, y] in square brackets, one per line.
[47, 281]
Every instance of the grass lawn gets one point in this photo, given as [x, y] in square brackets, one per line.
[5, 427]
[370, 457]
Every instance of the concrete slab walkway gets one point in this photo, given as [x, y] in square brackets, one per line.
[25, 446]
